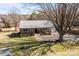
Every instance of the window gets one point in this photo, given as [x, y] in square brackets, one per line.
[25, 30]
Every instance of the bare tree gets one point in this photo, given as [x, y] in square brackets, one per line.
[62, 15]
[6, 22]
[15, 17]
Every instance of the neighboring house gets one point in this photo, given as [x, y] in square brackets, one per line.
[76, 23]
[31, 27]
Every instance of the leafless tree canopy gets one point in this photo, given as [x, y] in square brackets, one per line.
[15, 17]
[6, 21]
[62, 15]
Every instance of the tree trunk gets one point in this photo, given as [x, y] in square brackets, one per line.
[61, 38]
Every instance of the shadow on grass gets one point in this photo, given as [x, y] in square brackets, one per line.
[29, 47]
[15, 34]
[33, 48]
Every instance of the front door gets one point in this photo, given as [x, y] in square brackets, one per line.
[36, 30]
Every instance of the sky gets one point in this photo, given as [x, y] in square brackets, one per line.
[21, 7]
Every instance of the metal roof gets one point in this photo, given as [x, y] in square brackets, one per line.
[35, 24]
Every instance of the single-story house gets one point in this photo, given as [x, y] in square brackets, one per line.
[30, 27]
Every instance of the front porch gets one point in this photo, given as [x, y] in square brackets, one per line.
[32, 31]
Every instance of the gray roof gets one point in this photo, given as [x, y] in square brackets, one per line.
[35, 24]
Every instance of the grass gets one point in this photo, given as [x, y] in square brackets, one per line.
[26, 46]
[16, 39]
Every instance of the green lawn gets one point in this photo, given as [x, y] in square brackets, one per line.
[29, 46]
